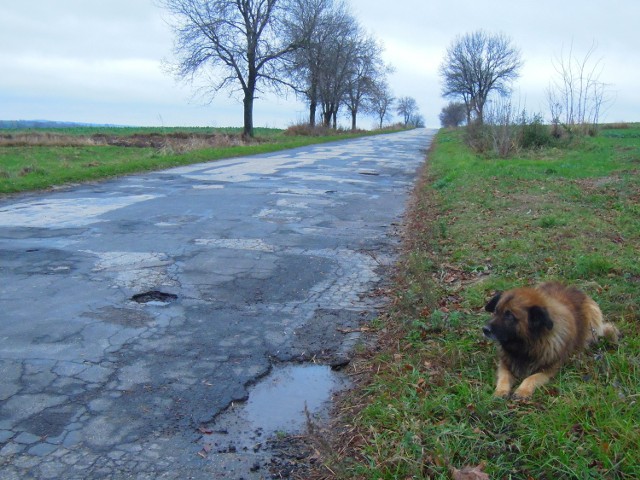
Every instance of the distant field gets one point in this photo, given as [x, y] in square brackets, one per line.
[35, 159]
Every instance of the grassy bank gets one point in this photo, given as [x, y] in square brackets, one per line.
[479, 225]
[34, 160]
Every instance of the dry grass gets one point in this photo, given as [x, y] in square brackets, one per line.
[172, 142]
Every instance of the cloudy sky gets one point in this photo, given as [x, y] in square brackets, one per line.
[101, 61]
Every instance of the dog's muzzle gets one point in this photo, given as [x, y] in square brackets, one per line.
[488, 332]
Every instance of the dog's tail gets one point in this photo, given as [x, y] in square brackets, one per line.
[599, 328]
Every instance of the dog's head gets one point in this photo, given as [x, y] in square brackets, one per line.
[519, 316]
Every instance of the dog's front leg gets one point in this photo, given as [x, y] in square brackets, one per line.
[529, 384]
[505, 381]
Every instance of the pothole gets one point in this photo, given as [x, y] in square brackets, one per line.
[281, 403]
[154, 297]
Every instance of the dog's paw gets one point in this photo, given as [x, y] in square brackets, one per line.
[522, 394]
[502, 393]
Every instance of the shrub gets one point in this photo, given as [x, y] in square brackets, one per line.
[618, 126]
[453, 115]
[501, 135]
[306, 130]
[534, 133]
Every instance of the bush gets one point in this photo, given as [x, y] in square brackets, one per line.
[501, 136]
[534, 133]
[453, 115]
[306, 130]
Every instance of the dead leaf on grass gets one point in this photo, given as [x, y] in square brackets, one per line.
[469, 473]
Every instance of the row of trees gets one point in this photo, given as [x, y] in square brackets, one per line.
[314, 47]
[479, 65]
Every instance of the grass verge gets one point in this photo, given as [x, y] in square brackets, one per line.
[423, 407]
[46, 158]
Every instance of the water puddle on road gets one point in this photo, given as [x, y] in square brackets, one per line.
[276, 406]
[278, 402]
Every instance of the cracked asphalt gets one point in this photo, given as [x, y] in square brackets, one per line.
[134, 311]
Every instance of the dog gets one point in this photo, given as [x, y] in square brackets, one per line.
[538, 329]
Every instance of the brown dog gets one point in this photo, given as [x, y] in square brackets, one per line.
[538, 329]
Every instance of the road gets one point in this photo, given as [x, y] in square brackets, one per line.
[134, 311]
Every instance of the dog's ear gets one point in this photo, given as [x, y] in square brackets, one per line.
[491, 306]
[539, 319]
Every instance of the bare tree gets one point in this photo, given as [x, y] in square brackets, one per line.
[417, 120]
[366, 69]
[380, 101]
[316, 22]
[341, 53]
[320, 69]
[240, 39]
[407, 108]
[576, 96]
[476, 65]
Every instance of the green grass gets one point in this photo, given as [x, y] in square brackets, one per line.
[479, 225]
[36, 167]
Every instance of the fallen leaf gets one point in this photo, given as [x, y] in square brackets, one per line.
[470, 473]
[450, 278]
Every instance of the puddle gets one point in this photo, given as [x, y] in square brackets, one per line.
[276, 405]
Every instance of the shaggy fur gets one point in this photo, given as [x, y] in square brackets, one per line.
[538, 329]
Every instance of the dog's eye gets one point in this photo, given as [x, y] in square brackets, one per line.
[509, 316]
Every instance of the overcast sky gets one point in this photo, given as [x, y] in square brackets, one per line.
[101, 61]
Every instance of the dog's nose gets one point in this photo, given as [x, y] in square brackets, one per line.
[487, 331]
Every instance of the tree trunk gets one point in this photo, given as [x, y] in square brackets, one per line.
[479, 112]
[248, 115]
[326, 118]
[312, 113]
[249, 96]
[354, 113]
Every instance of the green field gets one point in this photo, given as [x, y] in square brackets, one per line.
[478, 225]
[44, 158]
